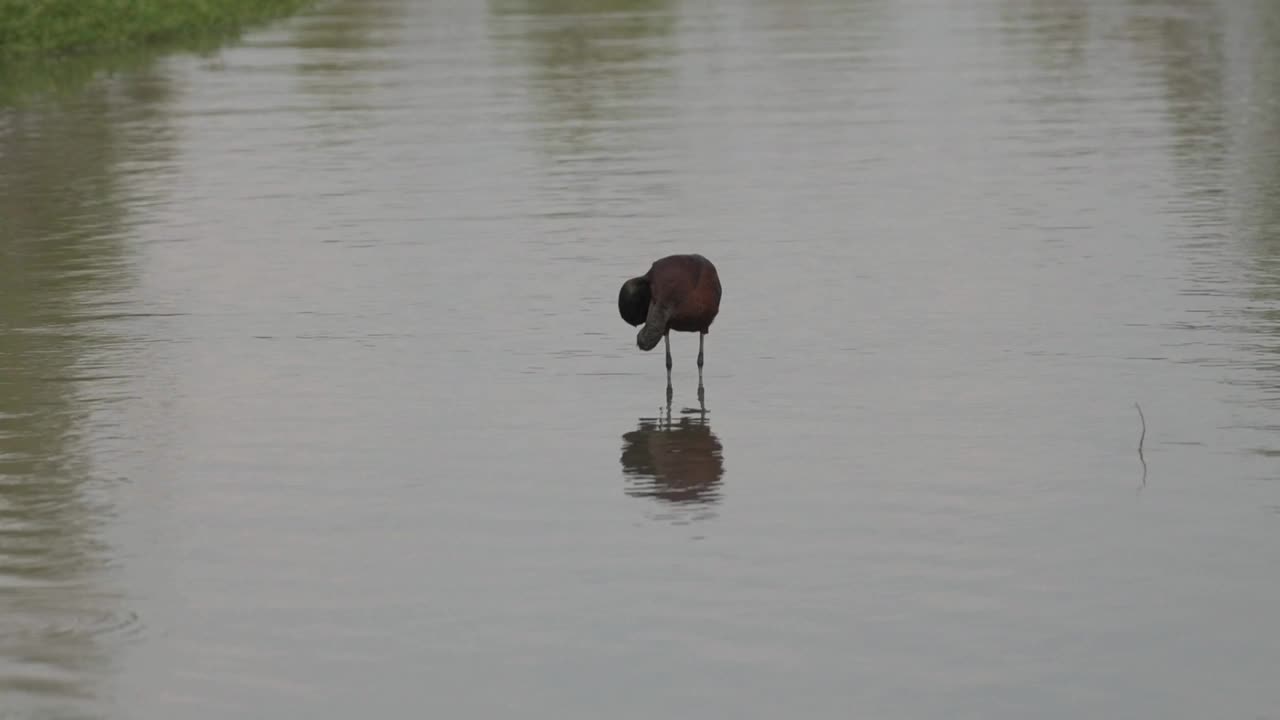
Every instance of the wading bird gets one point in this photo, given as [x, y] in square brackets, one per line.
[680, 292]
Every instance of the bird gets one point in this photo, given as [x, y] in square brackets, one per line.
[680, 292]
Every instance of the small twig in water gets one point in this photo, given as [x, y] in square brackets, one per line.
[1144, 427]
[1141, 439]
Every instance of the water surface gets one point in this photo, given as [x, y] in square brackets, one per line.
[314, 400]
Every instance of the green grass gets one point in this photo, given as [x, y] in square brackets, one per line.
[31, 28]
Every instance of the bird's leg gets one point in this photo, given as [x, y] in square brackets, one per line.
[701, 335]
[666, 338]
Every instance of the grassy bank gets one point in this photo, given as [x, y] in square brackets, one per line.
[32, 28]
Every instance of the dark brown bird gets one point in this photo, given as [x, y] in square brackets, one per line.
[680, 292]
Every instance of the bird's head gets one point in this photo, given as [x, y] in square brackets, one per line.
[633, 301]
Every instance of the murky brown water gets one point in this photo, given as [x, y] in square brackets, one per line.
[314, 400]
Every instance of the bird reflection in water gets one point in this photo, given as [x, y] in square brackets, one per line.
[678, 462]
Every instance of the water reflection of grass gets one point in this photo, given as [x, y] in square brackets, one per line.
[65, 261]
[595, 67]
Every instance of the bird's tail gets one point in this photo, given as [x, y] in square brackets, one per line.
[655, 326]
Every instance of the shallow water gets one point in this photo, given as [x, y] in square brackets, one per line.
[315, 402]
